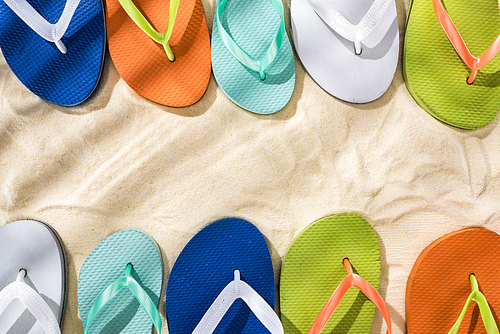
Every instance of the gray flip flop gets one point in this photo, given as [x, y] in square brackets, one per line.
[33, 279]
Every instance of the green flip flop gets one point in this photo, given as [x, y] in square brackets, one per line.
[120, 284]
[437, 68]
[313, 274]
[252, 58]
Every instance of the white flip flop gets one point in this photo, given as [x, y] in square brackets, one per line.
[349, 47]
[33, 279]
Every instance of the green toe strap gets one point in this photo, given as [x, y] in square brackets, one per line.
[129, 282]
[237, 51]
[484, 309]
[136, 15]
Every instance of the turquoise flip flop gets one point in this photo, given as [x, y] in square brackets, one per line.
[128, 259]
[252, 58]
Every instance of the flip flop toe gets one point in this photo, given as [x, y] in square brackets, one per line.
[120, 284]
[223, 282]
[33, 273]
[56, 48]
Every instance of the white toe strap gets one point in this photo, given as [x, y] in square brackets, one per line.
[50, 32]
[33, 302]
[355, 33]
[234, 290]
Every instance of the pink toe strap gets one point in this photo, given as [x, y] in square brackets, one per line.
[351, 280]
[474, 63]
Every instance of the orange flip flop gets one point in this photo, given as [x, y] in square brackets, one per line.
[461, 268]
[170, 68]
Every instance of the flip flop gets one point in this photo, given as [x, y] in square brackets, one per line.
[452, 271]
[170, 68]
[33, 271]
[322, 264]
[223, 282]
[56, 48]
[120, 284]
[440, 71]
[350, 48]
[251, 55]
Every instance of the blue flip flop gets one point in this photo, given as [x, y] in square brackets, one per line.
[56, 48]
[252, 57]
[223, 282]
[120, 284]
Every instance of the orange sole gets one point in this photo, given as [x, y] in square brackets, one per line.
[439, 285]
[143, 64]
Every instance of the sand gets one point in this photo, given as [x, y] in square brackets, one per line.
[120, 161]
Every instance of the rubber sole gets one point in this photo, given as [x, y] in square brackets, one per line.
[434, 73]
[253, 25]
[312, 269]
[206, 266]
[439, 285]
[143, 63]
[37, 248]
[106, 263]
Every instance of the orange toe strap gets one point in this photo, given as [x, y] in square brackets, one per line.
[351, 280]
[474, 63]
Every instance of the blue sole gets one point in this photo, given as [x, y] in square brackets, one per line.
[207, 265]
[64, 79]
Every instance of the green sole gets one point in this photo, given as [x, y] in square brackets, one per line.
[434, 73]
[312, 269]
